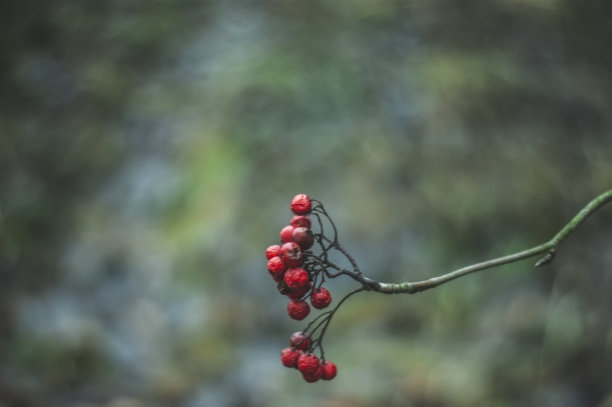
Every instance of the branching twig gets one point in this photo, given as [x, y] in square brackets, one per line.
[317, 266]
[548, 249]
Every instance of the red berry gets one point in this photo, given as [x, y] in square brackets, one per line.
[291, 254]
[329, 370]
[272, 251]
[301, 204]
[303, 237]
[276, 268]
[300, 341]
[278, 278]
[320, 298]
[289, 356]
[282, 288]
[296, 278]
[286, 233]
[298, 293]
[308, 363]
[301, 221]
[298, 310]
[313, 377]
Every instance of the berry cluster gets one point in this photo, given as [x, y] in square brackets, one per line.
[287, 266]
[299, 355]
[300, 274]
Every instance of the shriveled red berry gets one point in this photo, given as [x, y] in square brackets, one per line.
[282, 288]
[298, 310]
[296, 278]
[329, 370]
[313, 377]
[308, 363]
[303, 237]
[301, 204]
[299, 340]
[276, 268]
[298, 293]
[272, 251]
[286, 233]
[301, 221]
[320, 298]
[291, 254]
[289, 356]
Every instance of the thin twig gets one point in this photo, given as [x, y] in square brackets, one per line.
[548, 249]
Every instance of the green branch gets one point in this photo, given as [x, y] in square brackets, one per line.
[548, 249]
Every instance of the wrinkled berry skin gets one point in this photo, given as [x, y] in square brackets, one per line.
[300, 341]
[298, 310]
[329, 370]
[313, 377]
[301, 221]
[286, 233]
[289, 356]
[291, 254]
[276, 268]
[303, 237]
[272, 251]
[298, 293]
[320, 298]
[296, 278]
[308, 363]
[301, 204]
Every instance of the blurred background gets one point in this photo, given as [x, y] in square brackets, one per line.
[149, 151]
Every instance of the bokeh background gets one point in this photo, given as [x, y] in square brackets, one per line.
[149, 151]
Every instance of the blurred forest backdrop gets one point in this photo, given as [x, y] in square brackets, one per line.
[149, 151]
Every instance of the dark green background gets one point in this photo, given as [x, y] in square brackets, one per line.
[149, 151]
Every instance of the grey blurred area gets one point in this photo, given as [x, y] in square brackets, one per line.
[149, 151]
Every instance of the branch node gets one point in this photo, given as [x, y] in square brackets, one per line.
[548, 257]
[369, 284]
